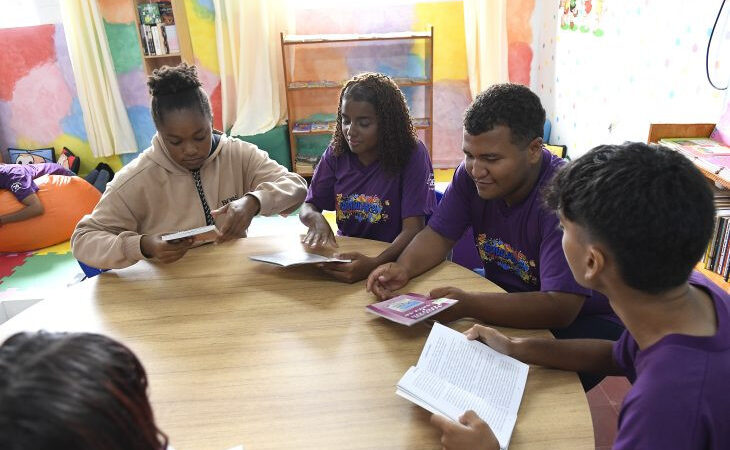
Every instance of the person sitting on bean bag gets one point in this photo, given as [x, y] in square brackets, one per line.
[18, 179]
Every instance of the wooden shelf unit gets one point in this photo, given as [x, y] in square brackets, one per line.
[332, 87]
[659, 131]
[152, 62]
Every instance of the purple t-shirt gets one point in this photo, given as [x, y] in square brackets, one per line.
[18, 178]
[520, 245]
[680, 398]
[369, 202]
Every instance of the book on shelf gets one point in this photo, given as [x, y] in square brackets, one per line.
[697, 147]
[201, 235]
[173, 44]
[319, 126]
[302, 127]
[166, 15]
[409, 309]
[454, 374]
[149, 13]
[296, 258]
[421, 122]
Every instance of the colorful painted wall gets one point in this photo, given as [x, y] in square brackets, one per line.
[451, 89]
[39, 105]
[606, 69]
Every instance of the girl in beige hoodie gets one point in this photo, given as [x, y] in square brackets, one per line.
[189, 177]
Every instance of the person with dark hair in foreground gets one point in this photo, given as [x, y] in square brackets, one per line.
[78, 391]
[636, 220]
[497, 191]
[190, 177]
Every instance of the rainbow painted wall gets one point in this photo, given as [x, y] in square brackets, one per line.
[39, 105]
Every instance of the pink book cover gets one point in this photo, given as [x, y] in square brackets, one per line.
[721, 133]
[408, 309]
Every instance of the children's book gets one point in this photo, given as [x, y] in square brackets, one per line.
[149, 13]
[166, 14]
[454, 375]
[200, 235]
[319, 126]
[697, 147]
[408, 309]
[296, 258]
[302, 127]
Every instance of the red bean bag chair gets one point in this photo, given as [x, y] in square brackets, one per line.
[65, 201]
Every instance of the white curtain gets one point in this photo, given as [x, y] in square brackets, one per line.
[249, 56]
[485, 24]
[107, 124]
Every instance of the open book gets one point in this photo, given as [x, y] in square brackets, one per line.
[200, 235]
[296, 258]
[408, 309]
[454, 375]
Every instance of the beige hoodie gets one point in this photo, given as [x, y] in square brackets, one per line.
[153, 194]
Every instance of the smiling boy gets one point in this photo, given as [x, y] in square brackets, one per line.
[497, 191]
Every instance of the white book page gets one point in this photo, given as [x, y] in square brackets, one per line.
[287, 259]
[474, 367]
[495, 382]
[441, 397]
[188, 233]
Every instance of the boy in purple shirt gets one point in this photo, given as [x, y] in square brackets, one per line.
[636, 220]
[496, 191]
[376, 175]
[18, 179]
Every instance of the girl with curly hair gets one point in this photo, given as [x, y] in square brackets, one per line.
[376, 175]
[190, 177]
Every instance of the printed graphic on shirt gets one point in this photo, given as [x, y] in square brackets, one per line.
[431, 182]
[506, 258]
[15, 187]
[362, 208]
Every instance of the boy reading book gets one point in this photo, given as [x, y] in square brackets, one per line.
[496, 191]
[636, 220]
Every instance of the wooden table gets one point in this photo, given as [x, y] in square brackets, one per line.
[239, 352]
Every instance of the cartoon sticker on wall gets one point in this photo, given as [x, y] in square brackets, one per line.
[582, 15]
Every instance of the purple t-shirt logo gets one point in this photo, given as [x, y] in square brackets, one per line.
[507, 258]
[361, 207]
[15, 187]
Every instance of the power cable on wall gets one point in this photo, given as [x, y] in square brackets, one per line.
[707, 54]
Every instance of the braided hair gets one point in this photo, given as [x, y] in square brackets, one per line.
[396, 135]
[175, 88]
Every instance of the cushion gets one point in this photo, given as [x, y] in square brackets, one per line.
[65, 200]
[37, 156]
[69, 161]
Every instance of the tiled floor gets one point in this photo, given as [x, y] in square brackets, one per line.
[605, 402]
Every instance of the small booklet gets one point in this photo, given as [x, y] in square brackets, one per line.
[454, 375]
[289, 259]
[200, 235]
[408, 309]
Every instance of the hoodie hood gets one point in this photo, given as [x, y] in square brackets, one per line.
[161, 155]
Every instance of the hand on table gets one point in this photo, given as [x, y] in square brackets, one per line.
[386, 279]
[153, 247]
[320, 233]
[470, 433]
[351, 272]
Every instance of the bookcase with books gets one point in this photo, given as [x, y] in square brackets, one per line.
[312, 103]
[163, 35]
[713, 160]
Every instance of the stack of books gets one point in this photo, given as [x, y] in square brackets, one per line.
[717, 256]
[157, 29]
[706, 153]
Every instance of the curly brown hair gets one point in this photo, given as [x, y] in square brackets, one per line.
[177, 87]
[396, 135]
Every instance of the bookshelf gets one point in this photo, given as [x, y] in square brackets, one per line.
[173, 43]
[659, 131]
[307, 97]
